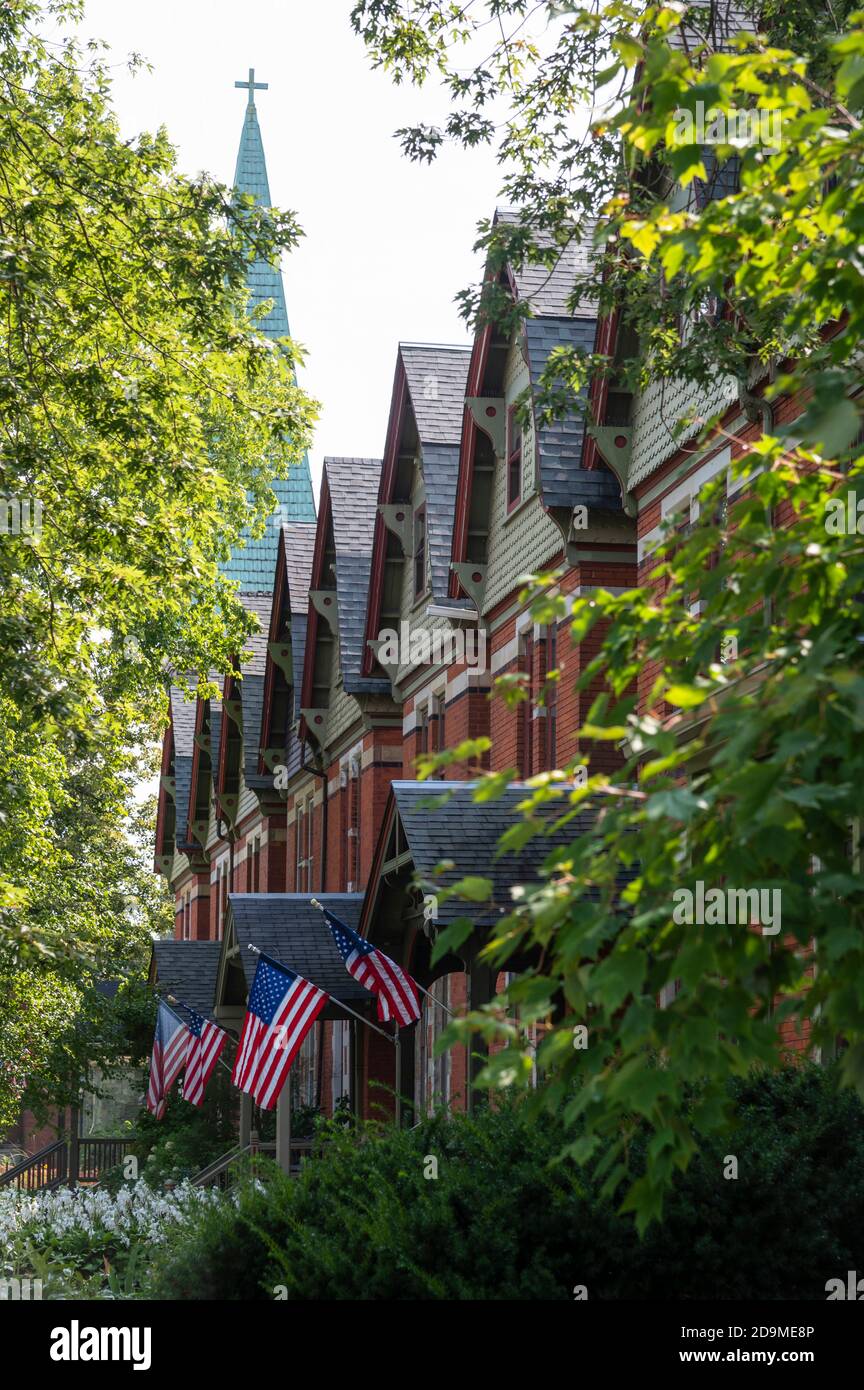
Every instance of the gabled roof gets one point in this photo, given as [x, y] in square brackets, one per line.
[183, 729]
[548, 289]
[187, 969]
[563, 480]
[467, 833]
[352, 487]
[288, 623]
[442, 822]
[287, 927]
[252, 565]
[436, 377]
[249, 688]
[428, 401]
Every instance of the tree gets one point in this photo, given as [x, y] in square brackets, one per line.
[142, 420]
[757, 779]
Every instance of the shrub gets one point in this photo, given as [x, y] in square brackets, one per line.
[505, 1219]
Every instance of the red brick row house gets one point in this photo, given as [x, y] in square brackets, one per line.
[383, 623]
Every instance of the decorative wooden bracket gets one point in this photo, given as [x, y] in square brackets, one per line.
[398, 518]
[234, 710]
[325, 602]
[316, 721]
[227, 806]
[273, 758]
[490, 416]
[615, 445]
[280, 655]
[203, 741]
[199, 829]
[169, 785]
[473, 580]
[390, 670]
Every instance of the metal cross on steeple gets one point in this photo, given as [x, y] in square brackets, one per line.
[253, 86]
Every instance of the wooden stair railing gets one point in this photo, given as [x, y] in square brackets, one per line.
[84, 1160]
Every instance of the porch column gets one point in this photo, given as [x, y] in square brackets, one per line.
[245, 1136]
[283, 1128]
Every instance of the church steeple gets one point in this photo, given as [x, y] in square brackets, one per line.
[254, 564]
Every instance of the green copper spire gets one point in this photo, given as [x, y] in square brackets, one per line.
[254, 564]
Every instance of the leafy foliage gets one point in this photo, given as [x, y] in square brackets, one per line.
[504, 1219]
[741, 772]
[143, 418]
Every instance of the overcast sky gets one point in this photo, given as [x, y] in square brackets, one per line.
[387, 243]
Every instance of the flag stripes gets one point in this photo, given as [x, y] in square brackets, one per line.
[282, 1008]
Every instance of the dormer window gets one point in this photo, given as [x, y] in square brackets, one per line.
[419, 552]
[514, 459]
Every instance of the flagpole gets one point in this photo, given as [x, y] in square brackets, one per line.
[337, 1002]
[321, 908]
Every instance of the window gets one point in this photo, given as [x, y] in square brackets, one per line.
[432, 1075]
[352, 803]
[224, 889]
[303, 842]
[436, 724]
[514, 459]
[430, 725]
[340, 1074]
[525, 708]
[550, 700]
[419, 552]
[253, 878]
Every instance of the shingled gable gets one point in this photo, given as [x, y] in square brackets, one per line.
[242, 707]
[441, 822]
[563, 481]
[427, 824]
[340, 577]
[187, 970]
[205, 758]
[172, 822]
[287, 927]
[427, 406]
[283, 677]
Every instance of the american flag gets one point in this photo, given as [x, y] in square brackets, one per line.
[396, 991]
[166, 1062]
[282, 1008]
[206, 1042]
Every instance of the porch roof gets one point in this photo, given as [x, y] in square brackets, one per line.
[287, 927]
[187, 969]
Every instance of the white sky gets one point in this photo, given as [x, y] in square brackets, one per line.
[387, 243]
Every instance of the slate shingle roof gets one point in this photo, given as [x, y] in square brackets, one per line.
[287, 927]
[253, 564]
[183, 725]
[182, 722]
[251, 687]
[353, 485]
[436, 378]
[299, 545]
[468, 833]
[187, 969]
[548, 289]
[563, 482]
